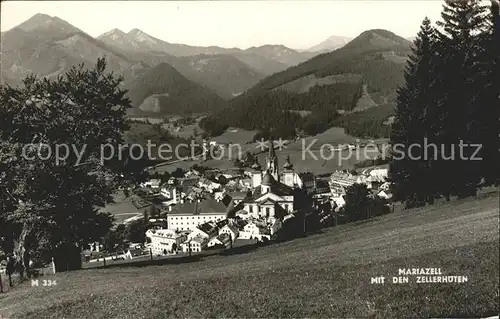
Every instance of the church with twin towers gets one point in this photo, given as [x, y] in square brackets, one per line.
[273, 190]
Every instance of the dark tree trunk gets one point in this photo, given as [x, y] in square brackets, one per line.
[22, 251]
[67, 257]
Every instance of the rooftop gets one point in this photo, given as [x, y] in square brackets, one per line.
[277, 188]
[238, 195]
[188, 181]
[165, 233]
[208, 227]
[199, 240]
[206, 207]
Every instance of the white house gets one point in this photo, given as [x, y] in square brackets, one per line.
[134, 253]
[208, 185]
[341, 179]
[243, 214]
[253, 230]
[230, 230]
[380, 172]
[384, 194]
[221, 240]
[164, 241]
[339, 200]
[153, 183]
[197, 232]
[197, 244]
[218, 196]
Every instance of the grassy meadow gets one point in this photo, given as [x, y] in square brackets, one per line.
[322, 275]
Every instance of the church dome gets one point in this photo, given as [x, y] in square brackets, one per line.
[268, 179]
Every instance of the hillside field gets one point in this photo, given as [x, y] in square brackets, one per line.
[327, 274]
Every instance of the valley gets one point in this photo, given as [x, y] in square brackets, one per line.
[247, 90]
[249, 159]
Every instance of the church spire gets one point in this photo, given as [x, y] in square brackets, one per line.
[256, 164]
[288, 164]
[272, 153]
[272, 161]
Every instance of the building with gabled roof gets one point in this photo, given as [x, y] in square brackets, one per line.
[230, 230]
[223, 240]
[195, 244]
[188, 216]
[164, 241]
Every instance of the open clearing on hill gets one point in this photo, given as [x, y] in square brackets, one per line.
[303, 84]
[234, 135]
[322, 275]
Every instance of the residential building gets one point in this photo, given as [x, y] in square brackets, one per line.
[230, 230]
[152, 183]
[164, 241]
[134, 253]
[223, 240]
[188, 216]
[237, 197]
[384, 194]
[308, 181]
[254, 230]
[342, 179]
[208, 185]
[322, 189]
[196, 244]
[206, 230]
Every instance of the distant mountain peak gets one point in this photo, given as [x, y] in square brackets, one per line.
[115, 31]
[333, 42]
[378, 38]
[41, 16]
[114, 34]
[142, 37]
[379, 32]
[135, 32]
[41, 21]
[162, 89]
[164, 66]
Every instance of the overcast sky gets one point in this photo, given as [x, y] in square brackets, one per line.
[296, 24]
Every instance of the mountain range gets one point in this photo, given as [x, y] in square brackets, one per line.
[48, 46]
[363, 74]
[361, 58]
[163, 90]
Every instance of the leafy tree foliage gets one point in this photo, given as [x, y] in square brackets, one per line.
[136, 231]
[115, 239]
[52, 204]
[360, 204]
